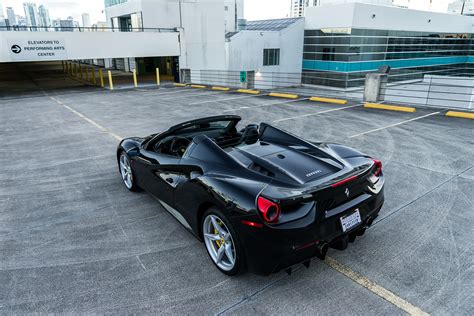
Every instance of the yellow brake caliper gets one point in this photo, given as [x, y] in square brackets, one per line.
[218, 242]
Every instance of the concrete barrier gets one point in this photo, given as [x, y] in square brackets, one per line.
[465, 115]
[389, 107]
[328, 100]
[283, 95]
[248, 91]
[221, 88]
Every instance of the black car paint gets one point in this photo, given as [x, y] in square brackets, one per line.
[207, 176]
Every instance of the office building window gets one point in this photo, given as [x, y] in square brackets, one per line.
[271, 56]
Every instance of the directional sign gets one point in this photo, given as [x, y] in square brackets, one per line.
[38, 49]
[16, 49]
[243, 77]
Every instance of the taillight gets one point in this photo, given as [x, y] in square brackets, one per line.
[334, 185]
[378, 167]
[269, 209]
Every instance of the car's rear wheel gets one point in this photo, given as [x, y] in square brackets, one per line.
[222, 243]
[126, 172]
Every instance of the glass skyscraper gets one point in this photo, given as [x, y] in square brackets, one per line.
[109, 3]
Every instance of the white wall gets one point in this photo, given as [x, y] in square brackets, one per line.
[230, 23]
[203, 35]
[358, 15]
[91, 45]
[245, 49]
[200, 22]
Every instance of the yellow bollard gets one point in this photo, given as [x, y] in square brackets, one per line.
[75, 70]
[87, 73]
[101, 77]
[94, 80]
[111, 84]
[157, 76]
[81, 74]
[135, 82]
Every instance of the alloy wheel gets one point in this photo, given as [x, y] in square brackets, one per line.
[219, 242]
[126, 171]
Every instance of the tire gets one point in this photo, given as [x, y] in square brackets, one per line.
[126, 171]
[215, 240]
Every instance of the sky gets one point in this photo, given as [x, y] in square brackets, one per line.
[254, 9]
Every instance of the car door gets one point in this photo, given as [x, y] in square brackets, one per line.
[160, 174]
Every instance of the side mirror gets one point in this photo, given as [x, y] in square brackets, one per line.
[133, 152]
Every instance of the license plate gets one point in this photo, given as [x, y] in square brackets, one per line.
[351, 220]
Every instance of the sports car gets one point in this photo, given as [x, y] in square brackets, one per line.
[260, 198]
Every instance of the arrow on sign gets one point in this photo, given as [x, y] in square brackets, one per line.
[16, 49]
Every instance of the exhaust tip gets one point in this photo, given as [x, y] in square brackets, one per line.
[341, 243]
[322, 249]
[370, 221]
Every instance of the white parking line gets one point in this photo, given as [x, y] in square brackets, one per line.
[228, 99]
[104, 129]
[375, 288]
[392, 125]
[265, 104]
[316, 113]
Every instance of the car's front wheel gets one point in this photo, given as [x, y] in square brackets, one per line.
[222, 243]
[126, 172]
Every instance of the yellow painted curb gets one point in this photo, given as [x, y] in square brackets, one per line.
[198, 86]
[248, 91]
[460, 114]
[180, 85]
[328, 100]
[389, 107]
[220, 88]
[283, 95]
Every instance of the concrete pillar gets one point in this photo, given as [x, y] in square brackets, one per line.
[375, 86]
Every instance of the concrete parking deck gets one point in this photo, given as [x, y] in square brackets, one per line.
[74, 240]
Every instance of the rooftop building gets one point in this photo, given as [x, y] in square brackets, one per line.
[11, 16]
[86, 20]
[44, 19]
[31, 14]
[464, 7]
[341, 48]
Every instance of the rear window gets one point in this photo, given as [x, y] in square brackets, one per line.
[210, 125]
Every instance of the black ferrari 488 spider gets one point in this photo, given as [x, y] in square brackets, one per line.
[261, 199]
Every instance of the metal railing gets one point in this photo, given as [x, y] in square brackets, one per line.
[446, 88]
[434, 91]
[22, 28]
[275, 81]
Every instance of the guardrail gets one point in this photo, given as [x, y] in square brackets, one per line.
[418, 89]
[22, 28]
[434, 91]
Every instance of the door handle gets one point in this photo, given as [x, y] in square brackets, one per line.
[169, 180]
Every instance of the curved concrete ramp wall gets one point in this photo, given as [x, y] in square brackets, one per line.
[43, 46]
